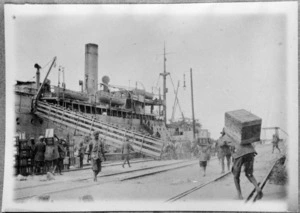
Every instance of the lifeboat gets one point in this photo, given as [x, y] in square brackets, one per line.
[116, 98]
[71, 94]
[147, 95]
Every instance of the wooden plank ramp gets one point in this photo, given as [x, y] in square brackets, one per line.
[114, 135]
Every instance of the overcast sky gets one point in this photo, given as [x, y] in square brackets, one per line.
[238, 52]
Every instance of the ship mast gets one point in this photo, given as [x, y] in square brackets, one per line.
[165, 89]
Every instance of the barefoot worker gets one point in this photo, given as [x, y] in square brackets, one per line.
[97, 154]
[244, 155]
[204, 156]
[243, 128]
[275, 142]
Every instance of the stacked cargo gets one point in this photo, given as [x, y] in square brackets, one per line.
[23, 159]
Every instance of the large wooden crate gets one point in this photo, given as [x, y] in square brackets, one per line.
[242, 126]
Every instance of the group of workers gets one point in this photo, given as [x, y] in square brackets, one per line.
[227, 152]
[48, 158]
[179, 150]
[98, 153]
[242, 155]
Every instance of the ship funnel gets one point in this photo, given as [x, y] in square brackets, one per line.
[91, 69]
[37, 78]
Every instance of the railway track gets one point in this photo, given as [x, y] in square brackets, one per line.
[253, 196]
[103, 175]
[57, 187]
[83, 183]
[88, 168]
[187, 192]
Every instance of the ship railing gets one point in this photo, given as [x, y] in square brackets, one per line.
[108, 124]
[116, 95]
[113, 135]
[23, 89]
[104, 123]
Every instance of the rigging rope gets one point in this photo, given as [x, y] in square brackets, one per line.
[176, 96]
[47, 63]
[41, 69]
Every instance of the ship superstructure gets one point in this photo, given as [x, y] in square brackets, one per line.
[114, 111]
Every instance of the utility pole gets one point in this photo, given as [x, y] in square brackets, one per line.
[63, 85]
[192, 94]
[165, 89]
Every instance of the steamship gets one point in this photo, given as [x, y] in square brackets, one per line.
[118, 108]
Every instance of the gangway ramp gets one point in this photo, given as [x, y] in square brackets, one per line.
[114, 135]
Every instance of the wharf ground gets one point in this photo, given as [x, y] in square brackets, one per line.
[72, 186]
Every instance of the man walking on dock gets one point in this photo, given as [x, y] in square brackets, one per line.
[81, 153]
[97, 154]
[204, 156]
[39, 152]
[244, 155]
[224, 151]
[126, 148]
[275, 142]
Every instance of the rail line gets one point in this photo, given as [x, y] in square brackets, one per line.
[187, 192]
[253, 196]
[250, 196]
[156, 172]
[104, 175]
[84, 185]
[87, 168]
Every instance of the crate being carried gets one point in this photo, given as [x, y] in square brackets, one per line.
[242, 126]
[51, 152]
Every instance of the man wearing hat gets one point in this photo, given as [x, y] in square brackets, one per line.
[97, 154]
[126, 148]
[39, 153]
[62, 154]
